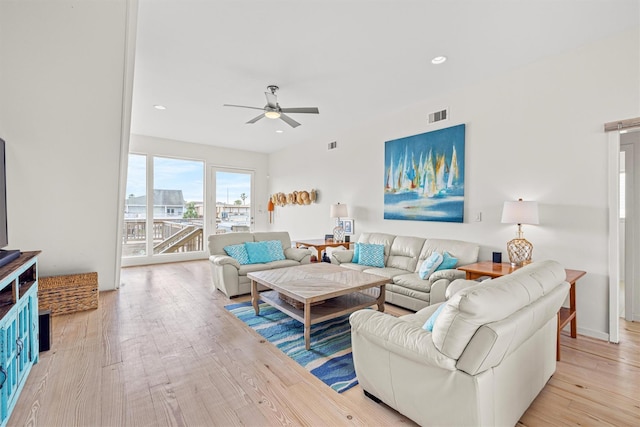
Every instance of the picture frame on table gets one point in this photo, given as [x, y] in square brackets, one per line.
[347, 224]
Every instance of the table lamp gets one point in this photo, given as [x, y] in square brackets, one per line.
[338, 211]
[519, 212]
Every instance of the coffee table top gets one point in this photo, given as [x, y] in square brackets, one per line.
[317, 281]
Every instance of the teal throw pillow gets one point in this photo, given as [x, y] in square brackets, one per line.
[428, 325]
[448, 262]
[258, 252]
[238, 252]
[274, 248]
[371, 255]
[356, 254]
[429, 265]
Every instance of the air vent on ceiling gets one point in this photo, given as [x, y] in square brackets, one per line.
[439, 116]
[332, 145]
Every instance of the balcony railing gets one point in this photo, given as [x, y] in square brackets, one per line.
[180, 235]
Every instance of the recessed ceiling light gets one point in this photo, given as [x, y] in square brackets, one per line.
[279, 131]
[438, 60]
[159, 107]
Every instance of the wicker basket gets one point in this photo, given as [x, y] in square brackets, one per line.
[294, 303]
[68, 294]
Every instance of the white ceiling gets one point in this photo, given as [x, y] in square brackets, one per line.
[353, 59]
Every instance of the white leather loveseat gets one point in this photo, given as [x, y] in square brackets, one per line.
[492, 350]
[230, 277]
[403, 256]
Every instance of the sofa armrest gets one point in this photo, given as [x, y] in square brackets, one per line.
[399, 337]
[297, 254]
[224, 260]
[440, 281]
[340, 257]
[457, 285]
[451, 274]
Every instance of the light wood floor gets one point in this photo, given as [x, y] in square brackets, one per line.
[163, 351]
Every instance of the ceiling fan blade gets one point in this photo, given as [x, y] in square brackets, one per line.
[272, 99]
[288, 120]
[310, 110]
[255, 119]
[242, 106]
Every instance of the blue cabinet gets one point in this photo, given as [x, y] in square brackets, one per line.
[18, 328]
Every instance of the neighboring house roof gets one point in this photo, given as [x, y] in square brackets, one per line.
[160, 198]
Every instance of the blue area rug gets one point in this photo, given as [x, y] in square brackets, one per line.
[330, 356]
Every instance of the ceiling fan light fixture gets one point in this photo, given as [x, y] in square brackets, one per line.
[438, 60]
[272, 114]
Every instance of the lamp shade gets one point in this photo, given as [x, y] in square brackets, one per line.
[520, 212]
[338, 211]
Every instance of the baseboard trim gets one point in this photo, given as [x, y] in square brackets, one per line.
[594, 334]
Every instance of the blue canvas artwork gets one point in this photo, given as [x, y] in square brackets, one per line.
[424, 176]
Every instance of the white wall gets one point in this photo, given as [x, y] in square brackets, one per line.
[61, 102]
[214, 156]
[536, 133]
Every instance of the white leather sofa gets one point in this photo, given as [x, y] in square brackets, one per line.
[403, 256]
[230, 277]
[492, 350]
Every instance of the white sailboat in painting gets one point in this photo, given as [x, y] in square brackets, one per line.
[389, 182]
[453, 169]
[429, 189]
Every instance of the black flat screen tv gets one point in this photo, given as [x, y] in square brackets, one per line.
[6, 256]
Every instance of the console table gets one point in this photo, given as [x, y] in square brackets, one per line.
[565, 315]
[18, 328]
[321, 245]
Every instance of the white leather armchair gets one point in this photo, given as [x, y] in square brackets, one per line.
[491, 352]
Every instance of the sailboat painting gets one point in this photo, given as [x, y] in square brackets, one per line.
[424, 176]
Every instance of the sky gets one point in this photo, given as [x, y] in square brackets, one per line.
[185, 175]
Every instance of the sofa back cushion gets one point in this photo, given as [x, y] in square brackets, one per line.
[404, 252]
[378, 239]
[471, 308]
[217, 242]
[466, 252]
[283, 236]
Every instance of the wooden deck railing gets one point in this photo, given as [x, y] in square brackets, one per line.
[168, 235]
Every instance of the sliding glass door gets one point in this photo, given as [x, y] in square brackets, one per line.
[164, 210]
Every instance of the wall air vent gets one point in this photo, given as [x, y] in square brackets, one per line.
[439, 116]
[332, 145]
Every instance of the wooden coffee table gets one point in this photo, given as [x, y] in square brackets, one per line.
[325, 291]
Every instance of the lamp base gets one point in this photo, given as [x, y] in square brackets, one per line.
[519, 251]
[338, 234]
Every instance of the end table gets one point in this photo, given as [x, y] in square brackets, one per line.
[321, 245]
[565, 315]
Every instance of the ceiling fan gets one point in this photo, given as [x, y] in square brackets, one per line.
[273, 110]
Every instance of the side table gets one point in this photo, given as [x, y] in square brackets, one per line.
[565, 315]
[321, 245]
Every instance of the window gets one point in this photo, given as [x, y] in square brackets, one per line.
[234, 211]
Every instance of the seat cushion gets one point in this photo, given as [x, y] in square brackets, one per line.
[412, 281]
[354, 266]
[409, 293]
[386, 272]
